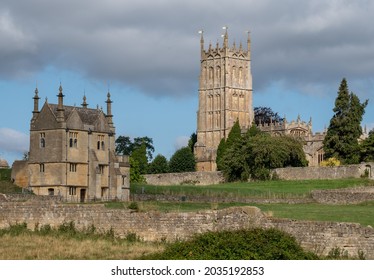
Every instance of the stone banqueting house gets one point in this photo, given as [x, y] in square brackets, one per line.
[225, 95]
[72, 153]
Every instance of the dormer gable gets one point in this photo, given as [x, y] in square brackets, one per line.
[74, 121]
[46, 119]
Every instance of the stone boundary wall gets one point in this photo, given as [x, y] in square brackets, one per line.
[218, 199]
[319, 237]
[335, 172]
[185, 178]
[344, 196]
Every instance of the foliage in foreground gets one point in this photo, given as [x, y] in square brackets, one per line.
[252, 244]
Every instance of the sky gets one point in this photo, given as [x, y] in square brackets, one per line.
[147, 54]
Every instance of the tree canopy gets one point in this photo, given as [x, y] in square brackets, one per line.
[183, 160]
[265, 115]
[341, 141]
[158, 165]
[255, 154]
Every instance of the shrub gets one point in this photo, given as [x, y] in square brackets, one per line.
[330, 162]
[252, 244]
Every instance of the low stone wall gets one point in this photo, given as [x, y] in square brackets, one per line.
[20, 175]
[319, 237]
[344, 196]
[228, 198]
[185, 178]
[322, 237]
[335, 172]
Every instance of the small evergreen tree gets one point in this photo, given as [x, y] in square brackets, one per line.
[183, 160]
[139, 154]
[192, 141]
[234, 136]
[158, 165]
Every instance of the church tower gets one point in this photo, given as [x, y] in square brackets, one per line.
[225, 95]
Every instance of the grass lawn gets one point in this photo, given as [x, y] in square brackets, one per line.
[361, 213]
[260, 189]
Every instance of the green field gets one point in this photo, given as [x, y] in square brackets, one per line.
[259, 189]
[362, 213]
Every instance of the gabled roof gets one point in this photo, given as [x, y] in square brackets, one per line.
[87, 115]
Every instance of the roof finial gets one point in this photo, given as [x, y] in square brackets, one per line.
[84, 104]
[226, 37]
[201, 32]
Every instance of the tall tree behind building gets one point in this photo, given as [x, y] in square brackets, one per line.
[342, 136]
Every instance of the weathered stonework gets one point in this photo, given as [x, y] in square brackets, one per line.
[344, 196]
[185, 178]
[225, 95]
[335, 172]
[72, 153]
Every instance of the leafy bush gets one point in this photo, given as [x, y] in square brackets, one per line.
[252, 244]
[330, 162]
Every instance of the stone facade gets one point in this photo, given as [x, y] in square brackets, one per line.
[72, 153]
[225, 95]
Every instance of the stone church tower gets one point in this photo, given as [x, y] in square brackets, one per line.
[225, 95]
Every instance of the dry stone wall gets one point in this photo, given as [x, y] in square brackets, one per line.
[185, 178]
[344, 196]
[335, 172]
[320, 237]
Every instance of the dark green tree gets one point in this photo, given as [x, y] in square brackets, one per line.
[124, 145]
[255, 156]
[367, 148]
[192, 141]
[139, 155]
[342, 136]
[135, 175]
[183, 160]
[234, 135]
[220, 153]
[265, 115]
[148, 142]
[158, 165]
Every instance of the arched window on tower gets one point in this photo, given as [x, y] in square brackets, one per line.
[240, 76]
[233, 76]
[218, 75]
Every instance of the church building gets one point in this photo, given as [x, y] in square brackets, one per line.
[72, 153]
[225, 95]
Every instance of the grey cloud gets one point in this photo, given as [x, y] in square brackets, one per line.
[154, 45]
